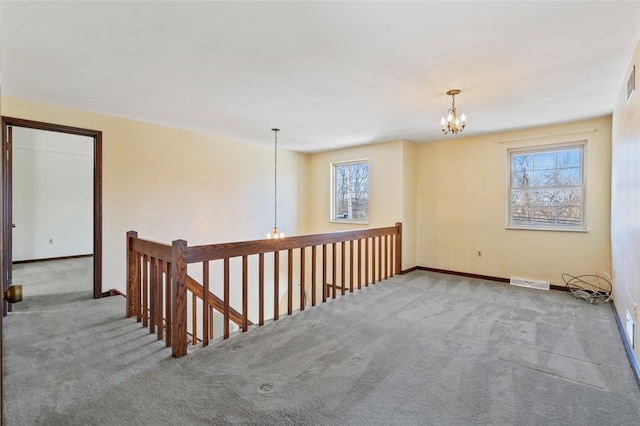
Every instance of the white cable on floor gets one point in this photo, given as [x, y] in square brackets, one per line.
[591, 287]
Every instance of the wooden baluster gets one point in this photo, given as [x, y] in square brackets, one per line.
[245, 294]
[351, 266]
[179, 296]
[302, 283]
[152, 295]
[324, 273]
[167, 303]
[392, 247]
[343, 279]
[261, 289]
[383, 255]
[205, 304]
[334, 273]
[159, 288]
[359, 264]
[211, 322]
[366, 262]
[313, 275]
[132, 271]
[276, 285]
[373, 260]
[157, 293]
[398, 251]
[145, 290]
[226, 298]
[138, 292]
[290, 281]
[342, 269]
[194, 318]
[379, 258]
[386, 257]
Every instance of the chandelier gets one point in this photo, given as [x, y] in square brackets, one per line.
[275, 233]
[453, 124]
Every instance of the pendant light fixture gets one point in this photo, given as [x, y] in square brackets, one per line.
[275, 233]
[453, 124]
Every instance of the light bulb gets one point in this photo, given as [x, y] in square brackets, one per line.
[275, 234]
[443, 122]
[464, 118]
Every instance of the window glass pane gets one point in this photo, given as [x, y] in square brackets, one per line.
[543, 178]
[519, 179]
[569, 176]
[569, 215]
[547, 187]
[569, 158]
[351, 191]
[569, 197]
[544, 161]
[521, 162]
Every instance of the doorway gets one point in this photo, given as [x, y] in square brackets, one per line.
[10, 124]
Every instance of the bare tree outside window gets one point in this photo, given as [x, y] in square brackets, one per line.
[547, 188]
[350, 198]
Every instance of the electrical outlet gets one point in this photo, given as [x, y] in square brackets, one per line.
[479, 253]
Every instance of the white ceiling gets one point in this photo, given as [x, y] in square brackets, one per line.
[329, 74]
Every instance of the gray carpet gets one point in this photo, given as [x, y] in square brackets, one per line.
[420, 349]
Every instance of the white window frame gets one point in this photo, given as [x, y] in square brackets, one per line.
[332, 203]
[582, 145]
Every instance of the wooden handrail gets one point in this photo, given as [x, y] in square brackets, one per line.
[153, 249]
[245, 248]
[162, 305]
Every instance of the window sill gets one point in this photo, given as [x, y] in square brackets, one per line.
[542, 228]
[349, 222]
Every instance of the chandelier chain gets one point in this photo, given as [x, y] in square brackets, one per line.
[275, 180]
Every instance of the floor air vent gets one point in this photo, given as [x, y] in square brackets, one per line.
[523, 282]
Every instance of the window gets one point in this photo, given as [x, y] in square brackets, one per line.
[546, 188]
[350, 191]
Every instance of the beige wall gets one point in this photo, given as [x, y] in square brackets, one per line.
[385, 185]
[625, 201]
[462, 201]
[391, 176]
[409, 204]
[169, 184]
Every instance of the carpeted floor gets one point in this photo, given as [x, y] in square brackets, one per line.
[419, 349]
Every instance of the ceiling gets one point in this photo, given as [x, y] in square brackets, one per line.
[328, 74]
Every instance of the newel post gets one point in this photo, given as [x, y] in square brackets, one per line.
[398, 264]
[179, 298]
[132, 275]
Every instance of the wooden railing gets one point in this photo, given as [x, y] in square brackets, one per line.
[158, 284]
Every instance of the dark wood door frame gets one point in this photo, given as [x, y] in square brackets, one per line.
[7, 183]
